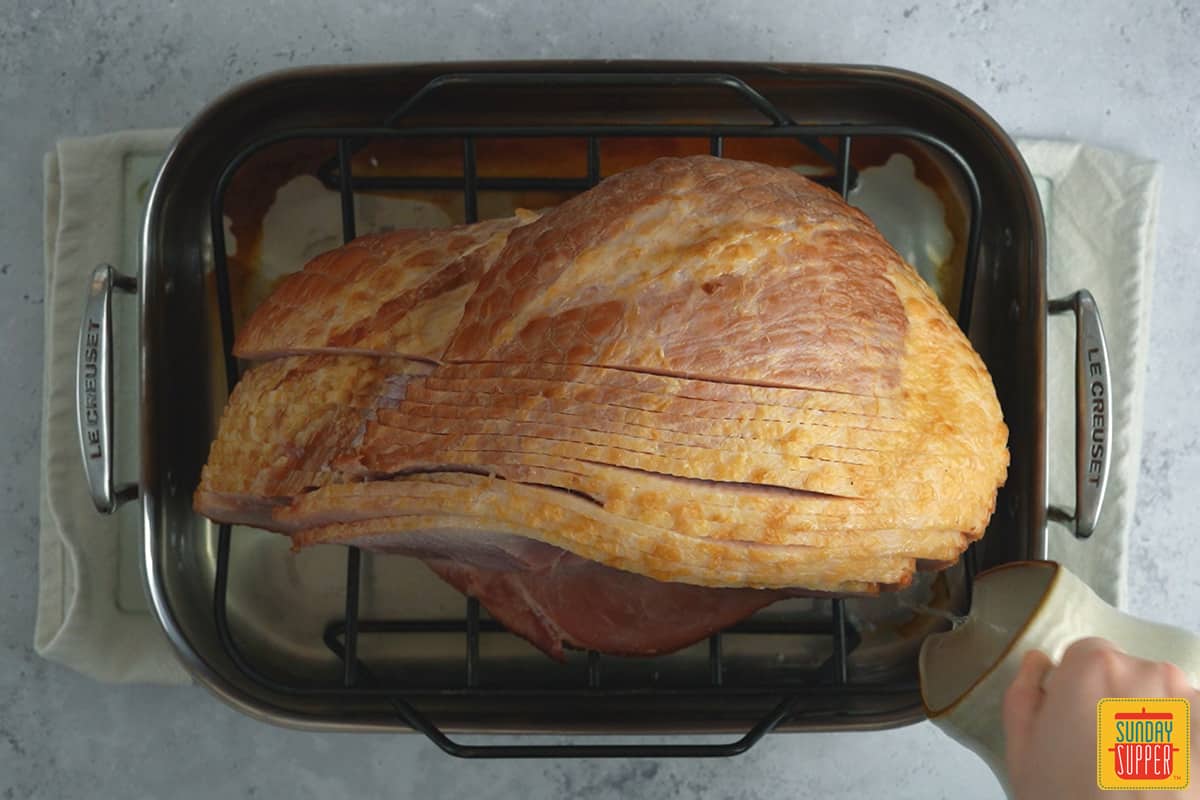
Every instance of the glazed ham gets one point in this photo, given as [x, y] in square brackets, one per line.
[399, 293]
[627, 422]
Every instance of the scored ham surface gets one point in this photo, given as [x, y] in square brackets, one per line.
[400, 293]
[626, 422]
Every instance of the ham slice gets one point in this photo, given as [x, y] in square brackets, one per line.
[274, 413]
[659, 392]
[774, 567]
[398, 293]
[587, 525]
[698, 267]
[285, 424]
[625, 423]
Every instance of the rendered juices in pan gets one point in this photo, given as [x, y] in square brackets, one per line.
[1018, 607]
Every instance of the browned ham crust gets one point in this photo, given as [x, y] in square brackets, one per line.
[703, 372]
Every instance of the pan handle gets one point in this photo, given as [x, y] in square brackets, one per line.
[94, 392]
[1093, 413]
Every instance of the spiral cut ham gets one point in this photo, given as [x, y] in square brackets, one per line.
[627, 422]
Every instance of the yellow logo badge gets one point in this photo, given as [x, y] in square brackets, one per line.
[1142, 743]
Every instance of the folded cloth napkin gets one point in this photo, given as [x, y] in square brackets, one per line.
[1100, 210]
[91, 613]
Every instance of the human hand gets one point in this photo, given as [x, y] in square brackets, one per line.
[1050, 718]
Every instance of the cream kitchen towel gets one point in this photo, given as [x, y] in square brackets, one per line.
[1100, 209]
[91, 612]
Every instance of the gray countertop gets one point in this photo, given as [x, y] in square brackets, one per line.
[1119, 74]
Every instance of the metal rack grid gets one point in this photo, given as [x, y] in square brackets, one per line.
[831, 679]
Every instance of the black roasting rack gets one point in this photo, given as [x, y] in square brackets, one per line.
[796, 699]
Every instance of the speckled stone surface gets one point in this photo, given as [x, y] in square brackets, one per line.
[1119, 74]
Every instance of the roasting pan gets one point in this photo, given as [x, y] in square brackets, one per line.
[336, 639]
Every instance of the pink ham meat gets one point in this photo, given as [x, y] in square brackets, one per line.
[556, 599]
[575, 602]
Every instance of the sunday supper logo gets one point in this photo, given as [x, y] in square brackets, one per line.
[1142, 743]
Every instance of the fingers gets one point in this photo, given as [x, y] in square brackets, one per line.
[1091, 644]
[1177, 682]
[1024, 696]
[1097, 667]
[1091, 667]
[1048, 707]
